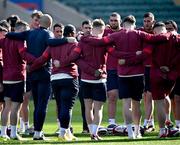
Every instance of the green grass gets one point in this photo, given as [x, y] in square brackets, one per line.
[50, 126]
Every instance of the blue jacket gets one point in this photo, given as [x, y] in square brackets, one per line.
[37, 42]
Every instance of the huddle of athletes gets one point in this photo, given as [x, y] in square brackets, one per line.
[98, 63]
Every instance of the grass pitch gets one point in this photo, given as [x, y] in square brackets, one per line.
[50, 127]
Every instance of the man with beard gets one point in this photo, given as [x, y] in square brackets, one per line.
[112, 77]
[148, 23]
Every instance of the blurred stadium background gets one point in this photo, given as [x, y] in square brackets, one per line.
[75, 11]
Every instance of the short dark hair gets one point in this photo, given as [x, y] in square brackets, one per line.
[159, 24]
[12, 20]
[5, 24]
[173, 23]
[131, 19]
[20, 24]
[86, 22]
[36, 13]
[58, 25]
[68, 29]
[115, 14]
[3, 29]
[149, 14]
[98, 23]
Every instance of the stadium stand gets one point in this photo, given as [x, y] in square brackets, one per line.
[163, 9]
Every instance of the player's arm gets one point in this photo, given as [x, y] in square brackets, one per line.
[138, 58]
[61, 41]
[18, 35]
[40, 60]
[151, 38]
[85, 67]
[119, 54]
[23, 52]
[56, 41]
[96, 41]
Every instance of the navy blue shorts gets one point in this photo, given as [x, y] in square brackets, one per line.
[147, 79]
[14, 91]
[112, 80]
[65, 88]
[177, 87]
[131, 87]
[94, 91]
[171, 95]
[28, 83]
[2, 96]
[65, 92]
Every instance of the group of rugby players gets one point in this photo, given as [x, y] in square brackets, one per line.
[102, 61]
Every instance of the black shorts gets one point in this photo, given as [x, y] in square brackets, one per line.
[28, 83]
[177, 87]
[147, 79]
[112, 80]
[131, 87]
[14, 91]
[171, 95]
[94, 91]
[2, 96]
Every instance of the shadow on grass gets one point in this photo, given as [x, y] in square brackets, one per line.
[87, 135]
[151, 134]
[106, 140]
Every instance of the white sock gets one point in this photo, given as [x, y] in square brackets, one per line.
[168, 117]
[26, 125]
[145, 122]
[151, 122]
[112, 121]
[37, 134]
[136, 130]
[58, 123]
[90, 126]
[21, 124]
[95, 129]
[162, 131]
[13, 131]
[68, 131]
[177, 123]
[62, 131]
[129, 129]
[3, 130]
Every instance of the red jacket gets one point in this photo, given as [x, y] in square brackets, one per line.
[178, 57]
[112, 61]
[89, 58]
[166, 54]
[127, 43]
[1, 66]
[148, 59]
[59, 53]
[13, 64]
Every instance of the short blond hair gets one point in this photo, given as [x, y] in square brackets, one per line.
[98, 23]
[37, 14]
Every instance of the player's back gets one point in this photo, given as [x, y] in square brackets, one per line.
[127, 40]
[13, 64]
[60, 53]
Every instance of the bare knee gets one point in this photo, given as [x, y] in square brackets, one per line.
[112, 99]
[112, 95]
[15, 106]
